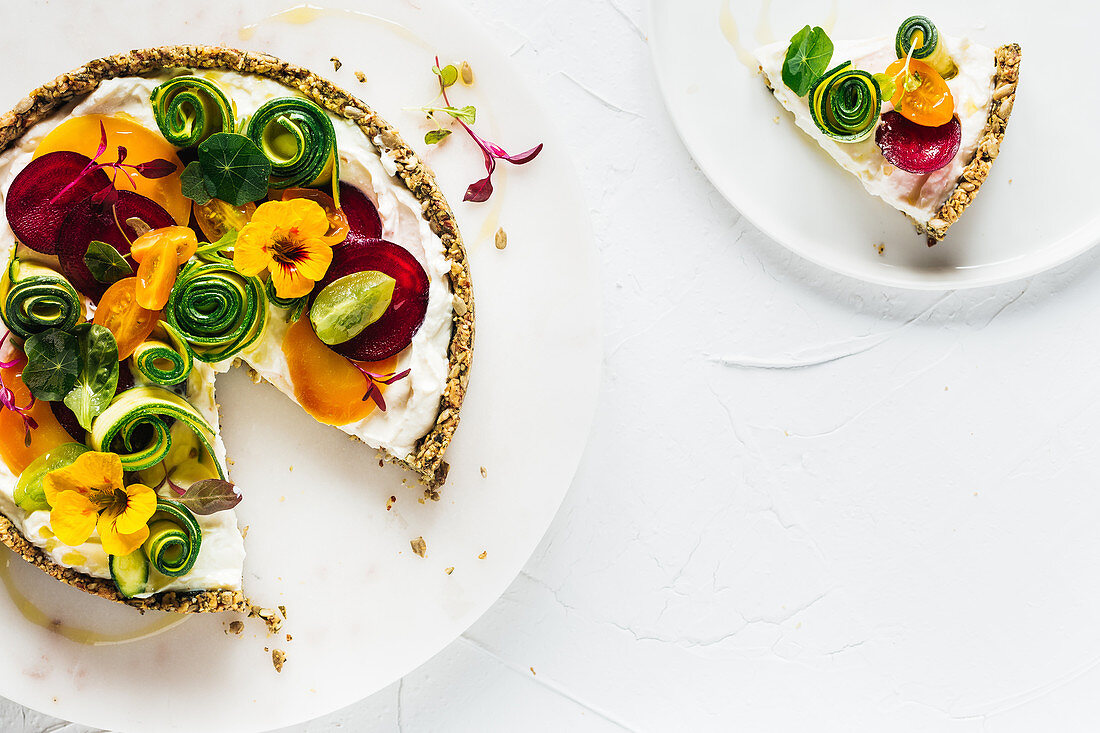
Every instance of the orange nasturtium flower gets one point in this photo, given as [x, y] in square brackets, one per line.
[287, 238]
[89, 494]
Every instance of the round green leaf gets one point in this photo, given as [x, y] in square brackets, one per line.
[53, 364]
[234, 169]
[343, 309]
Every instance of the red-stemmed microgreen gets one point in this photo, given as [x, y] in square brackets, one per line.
[374, 392]
[108, 196]
[7, 397]
[478, 191]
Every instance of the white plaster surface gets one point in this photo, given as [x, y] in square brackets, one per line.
[807, 503]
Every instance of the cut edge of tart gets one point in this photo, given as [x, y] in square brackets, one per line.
[934, 200]
[427, 459]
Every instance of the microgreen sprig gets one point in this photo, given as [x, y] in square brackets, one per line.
[7, 397]
[108, 196]
[373, 380]
[478, 191]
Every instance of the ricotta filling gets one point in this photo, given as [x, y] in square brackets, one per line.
[413, 403]
[919, 196]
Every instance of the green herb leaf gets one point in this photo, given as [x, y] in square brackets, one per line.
[886, 85]
[448, 74]
[467, 114]
[192, 184]
[53, 364]
[434, 137]
[343, 309]
[209, 496]
[105, 263]
[807, 59]
[234, 168]
[98, 376]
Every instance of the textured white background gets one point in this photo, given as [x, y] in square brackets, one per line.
[807, 503]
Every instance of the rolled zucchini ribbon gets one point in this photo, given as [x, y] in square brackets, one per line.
[189, 109]
[136, 426]
[174, 539]
[920, 36]
[218, 311]
[297, 137]
[846, 103]
[34, 298]
[164, 358]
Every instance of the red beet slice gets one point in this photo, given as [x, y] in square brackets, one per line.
[363, 219]
[915, 148]
[88, 221]
[32, 213]
[394, 331]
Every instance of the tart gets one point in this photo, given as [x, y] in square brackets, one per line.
[918, 117]
[174, 212]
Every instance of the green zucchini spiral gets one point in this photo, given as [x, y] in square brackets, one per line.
[218, 311]
[164, 358]
[846, 103]
[34, 298]
[174, 539]
[189, 109]
[297, 137]
[930, 51]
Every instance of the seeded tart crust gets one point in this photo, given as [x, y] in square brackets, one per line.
[427, 459]
[1006, 75]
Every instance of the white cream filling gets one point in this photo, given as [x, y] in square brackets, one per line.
[919, 196]
[413, 403]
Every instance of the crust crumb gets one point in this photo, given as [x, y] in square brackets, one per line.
[278, 658]
[484, 554]
[390, 502]
[419, 546]
[268, 616]
[501, 238]
[449, 570]
[336, 63]
[236, 627]
[361, 77]
[484, 473]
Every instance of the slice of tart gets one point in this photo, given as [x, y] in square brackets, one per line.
[172, 212]
[918, 117]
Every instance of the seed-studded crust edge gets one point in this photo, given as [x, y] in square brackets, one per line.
[427, 459]
[1006, 76]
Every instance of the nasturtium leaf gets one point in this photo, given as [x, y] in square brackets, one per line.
[234, 168]
[98, 376]
[53, 364]
[344, 308]
[192, 184]
[433, 137]
[209, 496]
[105, 263]
[807, 59]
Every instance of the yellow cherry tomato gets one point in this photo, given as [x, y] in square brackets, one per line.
[216, 217]
[184, 243]
[121, 314]
[156, 275]
[921, 95]
[338, 227]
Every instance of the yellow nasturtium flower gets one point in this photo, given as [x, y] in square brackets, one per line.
[89, 495]
[287, 238]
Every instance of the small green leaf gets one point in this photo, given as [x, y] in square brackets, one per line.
[343, 309]
[886, 86]
[467, 114]
[105, 263]
[807, 59]
[234, 168]
[434, 137]
[449, 74]
[30, 494]
[192, 184]
[98, 376]
[53, 364]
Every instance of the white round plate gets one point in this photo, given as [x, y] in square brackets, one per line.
[363, 608]
[1036, 210]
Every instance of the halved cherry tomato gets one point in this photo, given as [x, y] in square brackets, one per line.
[14, 450]
[921, 94]
[326, 384]
[184, 242]
[216, 217]
[160, 253]
[338, 227]
[121, 314]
